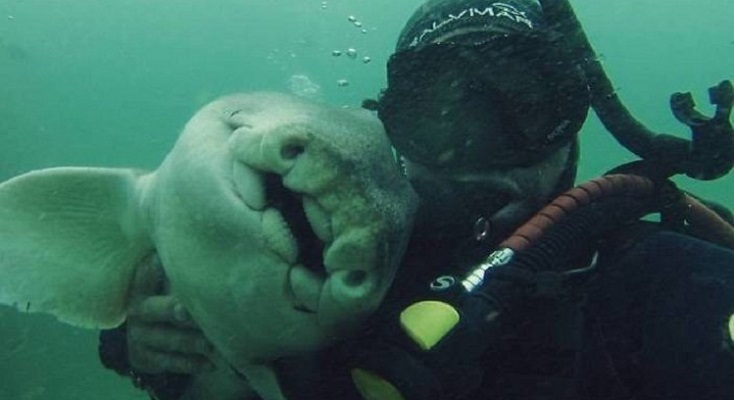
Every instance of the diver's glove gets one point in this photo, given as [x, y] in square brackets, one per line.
[158, 347]
[434, 348]
[113, 353]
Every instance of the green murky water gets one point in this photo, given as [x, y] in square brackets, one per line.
[110, 83]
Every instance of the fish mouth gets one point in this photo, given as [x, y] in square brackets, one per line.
[300, 214]
[298, 228]
[290, 206]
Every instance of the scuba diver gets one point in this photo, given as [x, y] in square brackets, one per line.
[516, 285]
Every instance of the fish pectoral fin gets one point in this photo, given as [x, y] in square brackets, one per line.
[70, 239]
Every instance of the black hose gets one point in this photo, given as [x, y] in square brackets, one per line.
[671, 154]
[555, 250]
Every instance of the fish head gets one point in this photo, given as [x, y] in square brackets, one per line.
[280, 222]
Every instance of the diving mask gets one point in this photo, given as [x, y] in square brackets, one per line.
[508, 101]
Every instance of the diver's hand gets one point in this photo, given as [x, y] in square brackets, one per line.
[160, 333]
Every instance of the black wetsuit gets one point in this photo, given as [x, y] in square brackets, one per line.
[652, 323]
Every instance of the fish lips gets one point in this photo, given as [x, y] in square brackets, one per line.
[329, 277]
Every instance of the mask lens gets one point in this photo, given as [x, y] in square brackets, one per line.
[486, 105]
[428, 118]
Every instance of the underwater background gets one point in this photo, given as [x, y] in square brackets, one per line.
[111, 83]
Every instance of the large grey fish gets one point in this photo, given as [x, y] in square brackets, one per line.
[279, 222]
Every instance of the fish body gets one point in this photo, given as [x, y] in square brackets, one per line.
[279, 222]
